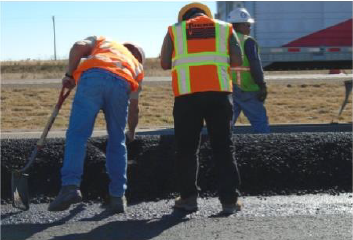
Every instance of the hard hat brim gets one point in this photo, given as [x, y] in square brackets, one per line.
[194, 5]
[250, 20]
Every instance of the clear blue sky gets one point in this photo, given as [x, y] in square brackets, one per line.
[27, 27]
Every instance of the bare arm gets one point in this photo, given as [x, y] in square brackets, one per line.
[133, 113]
[166, 53]
[133, 118]
[79, 50]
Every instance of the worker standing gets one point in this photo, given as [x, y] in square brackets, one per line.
[199, 50]
[249, 87]
[105, 80]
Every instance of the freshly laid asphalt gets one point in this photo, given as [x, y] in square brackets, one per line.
[306, 217]
[307, 178]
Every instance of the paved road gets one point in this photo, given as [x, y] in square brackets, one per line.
[285, 78]
[306, 217]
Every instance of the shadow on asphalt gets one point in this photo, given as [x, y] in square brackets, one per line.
[221, 215]
[129, 229]
[7, 215]
[17, 232]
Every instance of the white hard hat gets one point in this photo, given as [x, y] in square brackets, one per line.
[142, 53]
[239, 15]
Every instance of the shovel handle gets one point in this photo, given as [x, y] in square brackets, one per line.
[31, 159]
[40, 143]
[63, 95]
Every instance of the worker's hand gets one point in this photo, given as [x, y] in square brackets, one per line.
[130, 136]
[262, 94]
[68, 82]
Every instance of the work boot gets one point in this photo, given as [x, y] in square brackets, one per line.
[188, 204]
[230, 208]
[117, 204]
[68, 195]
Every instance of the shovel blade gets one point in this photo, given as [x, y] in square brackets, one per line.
[19, 186]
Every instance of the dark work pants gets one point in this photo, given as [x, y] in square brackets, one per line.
[190, 111]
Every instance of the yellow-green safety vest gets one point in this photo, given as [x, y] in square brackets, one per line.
[241, 75]
[186, 61]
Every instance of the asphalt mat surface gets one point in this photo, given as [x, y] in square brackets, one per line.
[320, 160]
[273, 164]
[319, 216]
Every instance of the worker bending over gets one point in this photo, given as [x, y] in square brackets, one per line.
[105, 80]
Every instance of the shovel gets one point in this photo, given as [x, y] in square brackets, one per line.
[19, 178]
[348, 87]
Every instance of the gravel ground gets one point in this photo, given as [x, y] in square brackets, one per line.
[320, 216]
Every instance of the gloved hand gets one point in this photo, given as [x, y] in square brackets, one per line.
[262, 94]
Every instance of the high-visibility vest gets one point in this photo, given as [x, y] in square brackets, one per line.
[241, 75]
[115, 58]
[200, 60]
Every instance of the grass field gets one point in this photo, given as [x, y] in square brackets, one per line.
[35, 69]
[29, 108]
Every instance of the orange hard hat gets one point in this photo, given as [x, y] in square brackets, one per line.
[187, 7]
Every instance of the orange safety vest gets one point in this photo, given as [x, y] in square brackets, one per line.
[200, 60]
[115, 58]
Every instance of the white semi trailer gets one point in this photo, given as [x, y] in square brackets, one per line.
[299, 34]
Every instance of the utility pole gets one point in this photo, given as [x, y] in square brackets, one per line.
[54, 38]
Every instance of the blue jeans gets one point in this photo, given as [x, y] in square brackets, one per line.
[98, 89]
[253, 109]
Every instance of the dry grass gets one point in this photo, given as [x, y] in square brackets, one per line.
[29, 108]
[35, 69]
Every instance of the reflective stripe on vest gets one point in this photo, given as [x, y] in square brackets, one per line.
[115, 58]
[196, 58]
[183, 60]
[241, 75]
[238, 71]
[222, 35]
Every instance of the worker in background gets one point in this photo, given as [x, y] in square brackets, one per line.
[199, 51]
[111, 72]
[249, 87]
